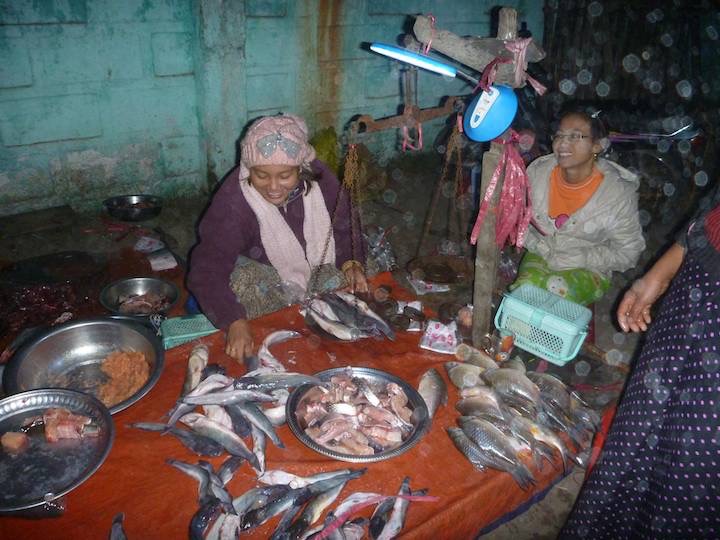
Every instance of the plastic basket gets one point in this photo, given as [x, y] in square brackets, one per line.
[544, 323]
[179, 330]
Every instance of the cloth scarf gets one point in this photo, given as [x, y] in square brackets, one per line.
[282, 247]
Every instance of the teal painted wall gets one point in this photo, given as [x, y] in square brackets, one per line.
[104, 97]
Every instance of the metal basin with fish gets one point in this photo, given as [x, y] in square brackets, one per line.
[420, 419]
[164, 293]
[70, 356]
[46, 471]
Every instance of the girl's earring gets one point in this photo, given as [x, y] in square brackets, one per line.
[595, 157]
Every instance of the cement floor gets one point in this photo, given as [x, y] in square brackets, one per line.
[401, 207]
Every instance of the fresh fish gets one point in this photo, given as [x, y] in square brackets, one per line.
[543, 435]
[216, 486]
[281, 477]
[433, 390]
[197, 361]
[259, 444]
[228, 397]
[220, 434]
[313, 510]
[202, 446]
[275, 381]
[255, 416]
[228, 468]
[364, 309]
[257, 498]
[212, 383]
[116, 531]
[513, 386]
[380, 517]
[486, 405]
[496, 449]
[351, 316]
[218, 414]
[202, 518]
[264, 354]
[364, 388]
[293, 497]
[551, 388]
[555, 417]
[470, 355]
[463, 375]
[225, 527]
[397, 518]
[321, 313]
[198, 473]
[240, 425]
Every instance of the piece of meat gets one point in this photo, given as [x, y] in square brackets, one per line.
[14, 443]
[62, 424]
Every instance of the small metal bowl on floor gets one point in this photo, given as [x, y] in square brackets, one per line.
[133, 207]
[70, 356]
[374, 377]
[139, 296]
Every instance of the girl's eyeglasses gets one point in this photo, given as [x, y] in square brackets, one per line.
[572, 137]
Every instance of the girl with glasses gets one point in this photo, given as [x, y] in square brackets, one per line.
[586, 223]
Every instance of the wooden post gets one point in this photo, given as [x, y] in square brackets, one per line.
[487, 254]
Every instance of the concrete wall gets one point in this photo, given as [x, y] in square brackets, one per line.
[104, 97]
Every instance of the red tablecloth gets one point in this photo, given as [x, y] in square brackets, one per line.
[159, 501]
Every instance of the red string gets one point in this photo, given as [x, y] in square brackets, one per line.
[408, 142]
[514, 210]
[426, 49]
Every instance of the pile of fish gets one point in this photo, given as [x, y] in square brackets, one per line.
[508, 412]
[345, 316]
[356, 416]
[233, 409]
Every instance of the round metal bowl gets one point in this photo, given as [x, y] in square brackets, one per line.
[133, 207]
[420, 417]
[69, 356]
[111, 294]
[46, 471]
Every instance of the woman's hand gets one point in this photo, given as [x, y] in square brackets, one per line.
[355, 277]
[633, 313]
[239, 340]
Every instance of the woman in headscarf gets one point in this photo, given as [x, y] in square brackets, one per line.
[278, 228]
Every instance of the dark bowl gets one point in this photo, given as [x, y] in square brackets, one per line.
[136, 286]
[133, 207]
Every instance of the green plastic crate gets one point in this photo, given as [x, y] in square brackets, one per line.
[544, 323]
[179, 330]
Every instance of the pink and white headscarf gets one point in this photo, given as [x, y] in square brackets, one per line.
[276, 140]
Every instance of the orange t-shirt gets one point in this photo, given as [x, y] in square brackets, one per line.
[566, 198]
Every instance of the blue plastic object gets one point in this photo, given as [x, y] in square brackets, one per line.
[415, 59]
[544, 323]
[490, 113]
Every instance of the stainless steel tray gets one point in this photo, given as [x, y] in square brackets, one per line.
[70, 355]
[47, 471]
[420, 417]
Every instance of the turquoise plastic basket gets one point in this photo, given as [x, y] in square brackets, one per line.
[544, 323]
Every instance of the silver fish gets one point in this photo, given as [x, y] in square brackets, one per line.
[433, 390]
[486, 404]
[551, 388]
[228, 468]
[218, 414]
[116, 531]
[544, 435]
[321, 313]
[471, 355]
[220, 434]
[265, 356]
[363, 308]
[228, 397]
[513, 386]
[313, 510]
[397, 518]
[463, 375]
[255, 416]
[202, 446]
[197, 361]
[259, 443]
[275, 381]
[515, 363]
[257, 498]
